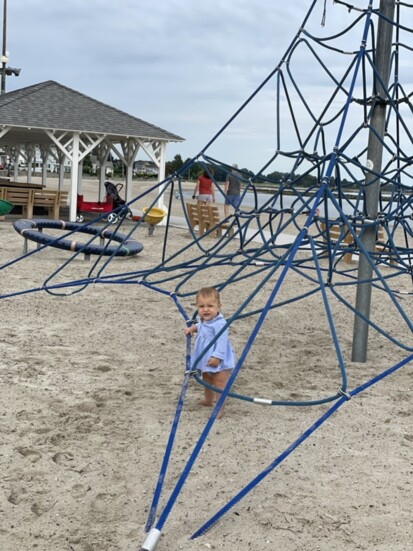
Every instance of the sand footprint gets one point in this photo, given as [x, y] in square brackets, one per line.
[109, 506]
[79, 490]
[28, 453]
[17, 495]
[64, 459]
[41, 507]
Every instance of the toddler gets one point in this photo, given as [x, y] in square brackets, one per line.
[216, 363]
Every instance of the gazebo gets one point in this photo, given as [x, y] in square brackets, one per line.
[64, 123]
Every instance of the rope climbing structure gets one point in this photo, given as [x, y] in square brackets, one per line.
[345, 200]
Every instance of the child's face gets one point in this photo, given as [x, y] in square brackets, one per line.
[208, 307]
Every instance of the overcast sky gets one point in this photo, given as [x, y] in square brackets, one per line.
[183, 65]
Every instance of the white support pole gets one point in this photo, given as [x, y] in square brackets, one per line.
[44, 174]
[16, 158]
[103, 153]
[130, 148]
[61, 176]
[102, 179]
[74, 177]
[61, 156]
[161, 176]
[44, 153]
[129, 178]
[30, 154]
[80, 177]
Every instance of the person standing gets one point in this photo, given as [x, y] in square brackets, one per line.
[232, 192]
[205, 188]
[216, 361]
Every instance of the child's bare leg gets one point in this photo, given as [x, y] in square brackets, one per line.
[208, 393]
[219, 380]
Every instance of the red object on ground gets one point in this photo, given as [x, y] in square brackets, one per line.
[94, 206]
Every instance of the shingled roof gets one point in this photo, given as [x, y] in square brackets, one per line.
[50, 105]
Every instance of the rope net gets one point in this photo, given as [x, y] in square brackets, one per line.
[304, 214]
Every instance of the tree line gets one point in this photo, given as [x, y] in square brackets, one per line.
[196, 169]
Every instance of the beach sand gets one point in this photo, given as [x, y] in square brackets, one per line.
[89, 387]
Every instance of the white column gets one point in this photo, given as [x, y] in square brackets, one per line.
[102, 180]
[16, 158]
[61, 156]
[44, 154]
[80, 177]
[129, 177]
[161, 176]
[30, 153]
[130, 149]
[44, 174]
[74, 177]
[29, 170]
[103, 152]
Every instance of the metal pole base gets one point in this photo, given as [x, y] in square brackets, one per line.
[151, 540]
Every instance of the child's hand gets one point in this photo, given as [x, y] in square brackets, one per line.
[213, 362]
[190, 330]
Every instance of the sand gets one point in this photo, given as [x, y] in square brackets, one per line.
[89, 387]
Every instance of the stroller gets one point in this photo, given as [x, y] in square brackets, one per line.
[112, 201]
[112, 194]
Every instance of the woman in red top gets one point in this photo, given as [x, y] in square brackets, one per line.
[205, 189]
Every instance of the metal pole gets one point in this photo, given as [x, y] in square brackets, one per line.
[4, 56]
[372, 189]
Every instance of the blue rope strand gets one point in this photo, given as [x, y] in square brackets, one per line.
[168, 507]
[213, 520]
[172, 433]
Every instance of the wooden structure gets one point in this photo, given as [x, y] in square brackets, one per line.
[204, 218]
[337, 232]
[62, 122]
[193, 216]
[29, 198]
[10, 183]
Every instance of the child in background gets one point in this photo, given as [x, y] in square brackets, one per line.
[216, 363]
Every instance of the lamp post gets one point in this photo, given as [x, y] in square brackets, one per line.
[5, 54]
[4, 58]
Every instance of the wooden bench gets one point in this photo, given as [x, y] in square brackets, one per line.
[209, 217]
[193, 216]
[206, 217]
[19, 197]
[336, 231]
[50, 200]
[215, 222]
[28, 198]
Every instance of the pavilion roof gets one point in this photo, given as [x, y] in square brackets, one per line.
[52, 106]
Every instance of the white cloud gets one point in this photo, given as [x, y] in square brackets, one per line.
[183, 65]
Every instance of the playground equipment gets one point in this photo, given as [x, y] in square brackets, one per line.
[335, 181]
[332, 183]
[33, 230]
[152, 217]
[5, 207]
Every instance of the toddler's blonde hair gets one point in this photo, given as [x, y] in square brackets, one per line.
[208, 292]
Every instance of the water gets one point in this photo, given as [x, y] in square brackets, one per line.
[262, 198]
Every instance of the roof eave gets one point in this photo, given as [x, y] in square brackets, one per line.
[98, 132]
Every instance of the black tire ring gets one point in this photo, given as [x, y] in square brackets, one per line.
[29, 229]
